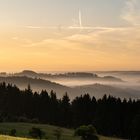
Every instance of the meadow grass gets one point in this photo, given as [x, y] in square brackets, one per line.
[23, 132]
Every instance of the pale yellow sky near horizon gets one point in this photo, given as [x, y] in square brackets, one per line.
[97, 45]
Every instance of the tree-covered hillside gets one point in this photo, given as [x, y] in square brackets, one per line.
[111, 116]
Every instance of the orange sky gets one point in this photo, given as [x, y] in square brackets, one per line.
[62, 47]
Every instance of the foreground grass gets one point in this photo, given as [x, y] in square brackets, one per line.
[3, 137]
[107, 138]
[23, 130]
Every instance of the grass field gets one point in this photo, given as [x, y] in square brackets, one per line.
[3, 137]
[23, 129]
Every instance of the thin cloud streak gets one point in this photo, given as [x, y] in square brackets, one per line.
[41, 27]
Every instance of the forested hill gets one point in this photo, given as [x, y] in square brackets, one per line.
[111, 116]
[97, 90]
[66, 75]
[37, 84]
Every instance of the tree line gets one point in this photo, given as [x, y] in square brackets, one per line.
[111, 116]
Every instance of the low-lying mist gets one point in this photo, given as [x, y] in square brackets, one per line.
[118, 84]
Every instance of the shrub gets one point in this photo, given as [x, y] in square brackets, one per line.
[13, 132]
[86, 132]
[34, 120]
[36, 133]
[58, 133]
[23, 119]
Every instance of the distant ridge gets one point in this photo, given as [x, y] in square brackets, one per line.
[29, 73]
[74, 75]
[120, 72]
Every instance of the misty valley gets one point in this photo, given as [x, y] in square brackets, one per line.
[123, 84]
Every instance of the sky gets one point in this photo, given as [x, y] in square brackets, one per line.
[69, 35]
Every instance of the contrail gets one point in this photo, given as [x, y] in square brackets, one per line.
[80, 19]
[80, 26]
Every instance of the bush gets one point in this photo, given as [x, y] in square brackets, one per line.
[86, 132]
[58, 133]
[13, 132]
[36, 133]
[23, 119]
[35, 121]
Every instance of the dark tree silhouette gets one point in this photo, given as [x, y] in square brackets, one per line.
[136, 128]
[111, 116]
